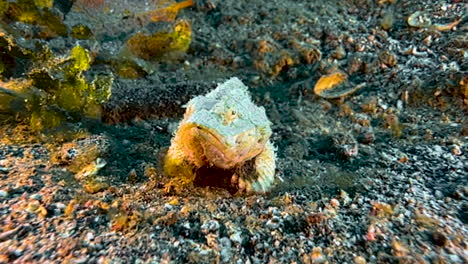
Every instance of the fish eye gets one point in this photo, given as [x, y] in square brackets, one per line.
[229, 116]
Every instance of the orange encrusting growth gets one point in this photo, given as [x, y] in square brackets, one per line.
[169, 13]
[329, 81]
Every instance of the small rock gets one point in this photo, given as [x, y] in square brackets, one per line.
[400, 105]
[3, 194]
[345, 197]
[339, 53]
[36, 196]
[236, 237]
[388, 58]
[132, 176]
[8, 234]
[359, 260]
[455, 259]
[174, 202]
[60, 205]
[274, 211]
[226, 252]
[89, 236]
[456, 150]
[226, 255]
[17, 252]
[225, 242]
[212, 240]
[317, 256]
[440, 239]
[273, 223]
[438, 150]
[419, 19]
[210, 226]
[168, 207]
[81, 260]
[334, 203]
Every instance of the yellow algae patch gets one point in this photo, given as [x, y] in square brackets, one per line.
[161, 44]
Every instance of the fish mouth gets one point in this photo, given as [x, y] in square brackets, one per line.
[218, 152]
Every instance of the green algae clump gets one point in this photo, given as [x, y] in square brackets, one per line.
[81, 31]
[35, 12]
[161, 45]
[44, 3]
[3, 7]
[57, 91]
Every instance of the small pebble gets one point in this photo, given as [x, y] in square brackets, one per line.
[400, 105]
[225, 242]
[360, 260]
[168, 207]
[438, 149]
[438, 194]
[334, 203]
[226, 255]
[89, 236]
[456, 150]
[455, 259]
[317, 255]
[210, 226]
[83, 259]
[236, 237]
[273, 223]
[36, 196]
[3, 193]
[60, 205]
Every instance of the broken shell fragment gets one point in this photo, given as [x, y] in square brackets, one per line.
[422, 20]
[419, 20]
[329, 81]
[335, 85]
[447, 27]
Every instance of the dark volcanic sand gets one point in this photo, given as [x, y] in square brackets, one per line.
[402, 199]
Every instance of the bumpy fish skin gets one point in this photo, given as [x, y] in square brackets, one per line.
[223, 129]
